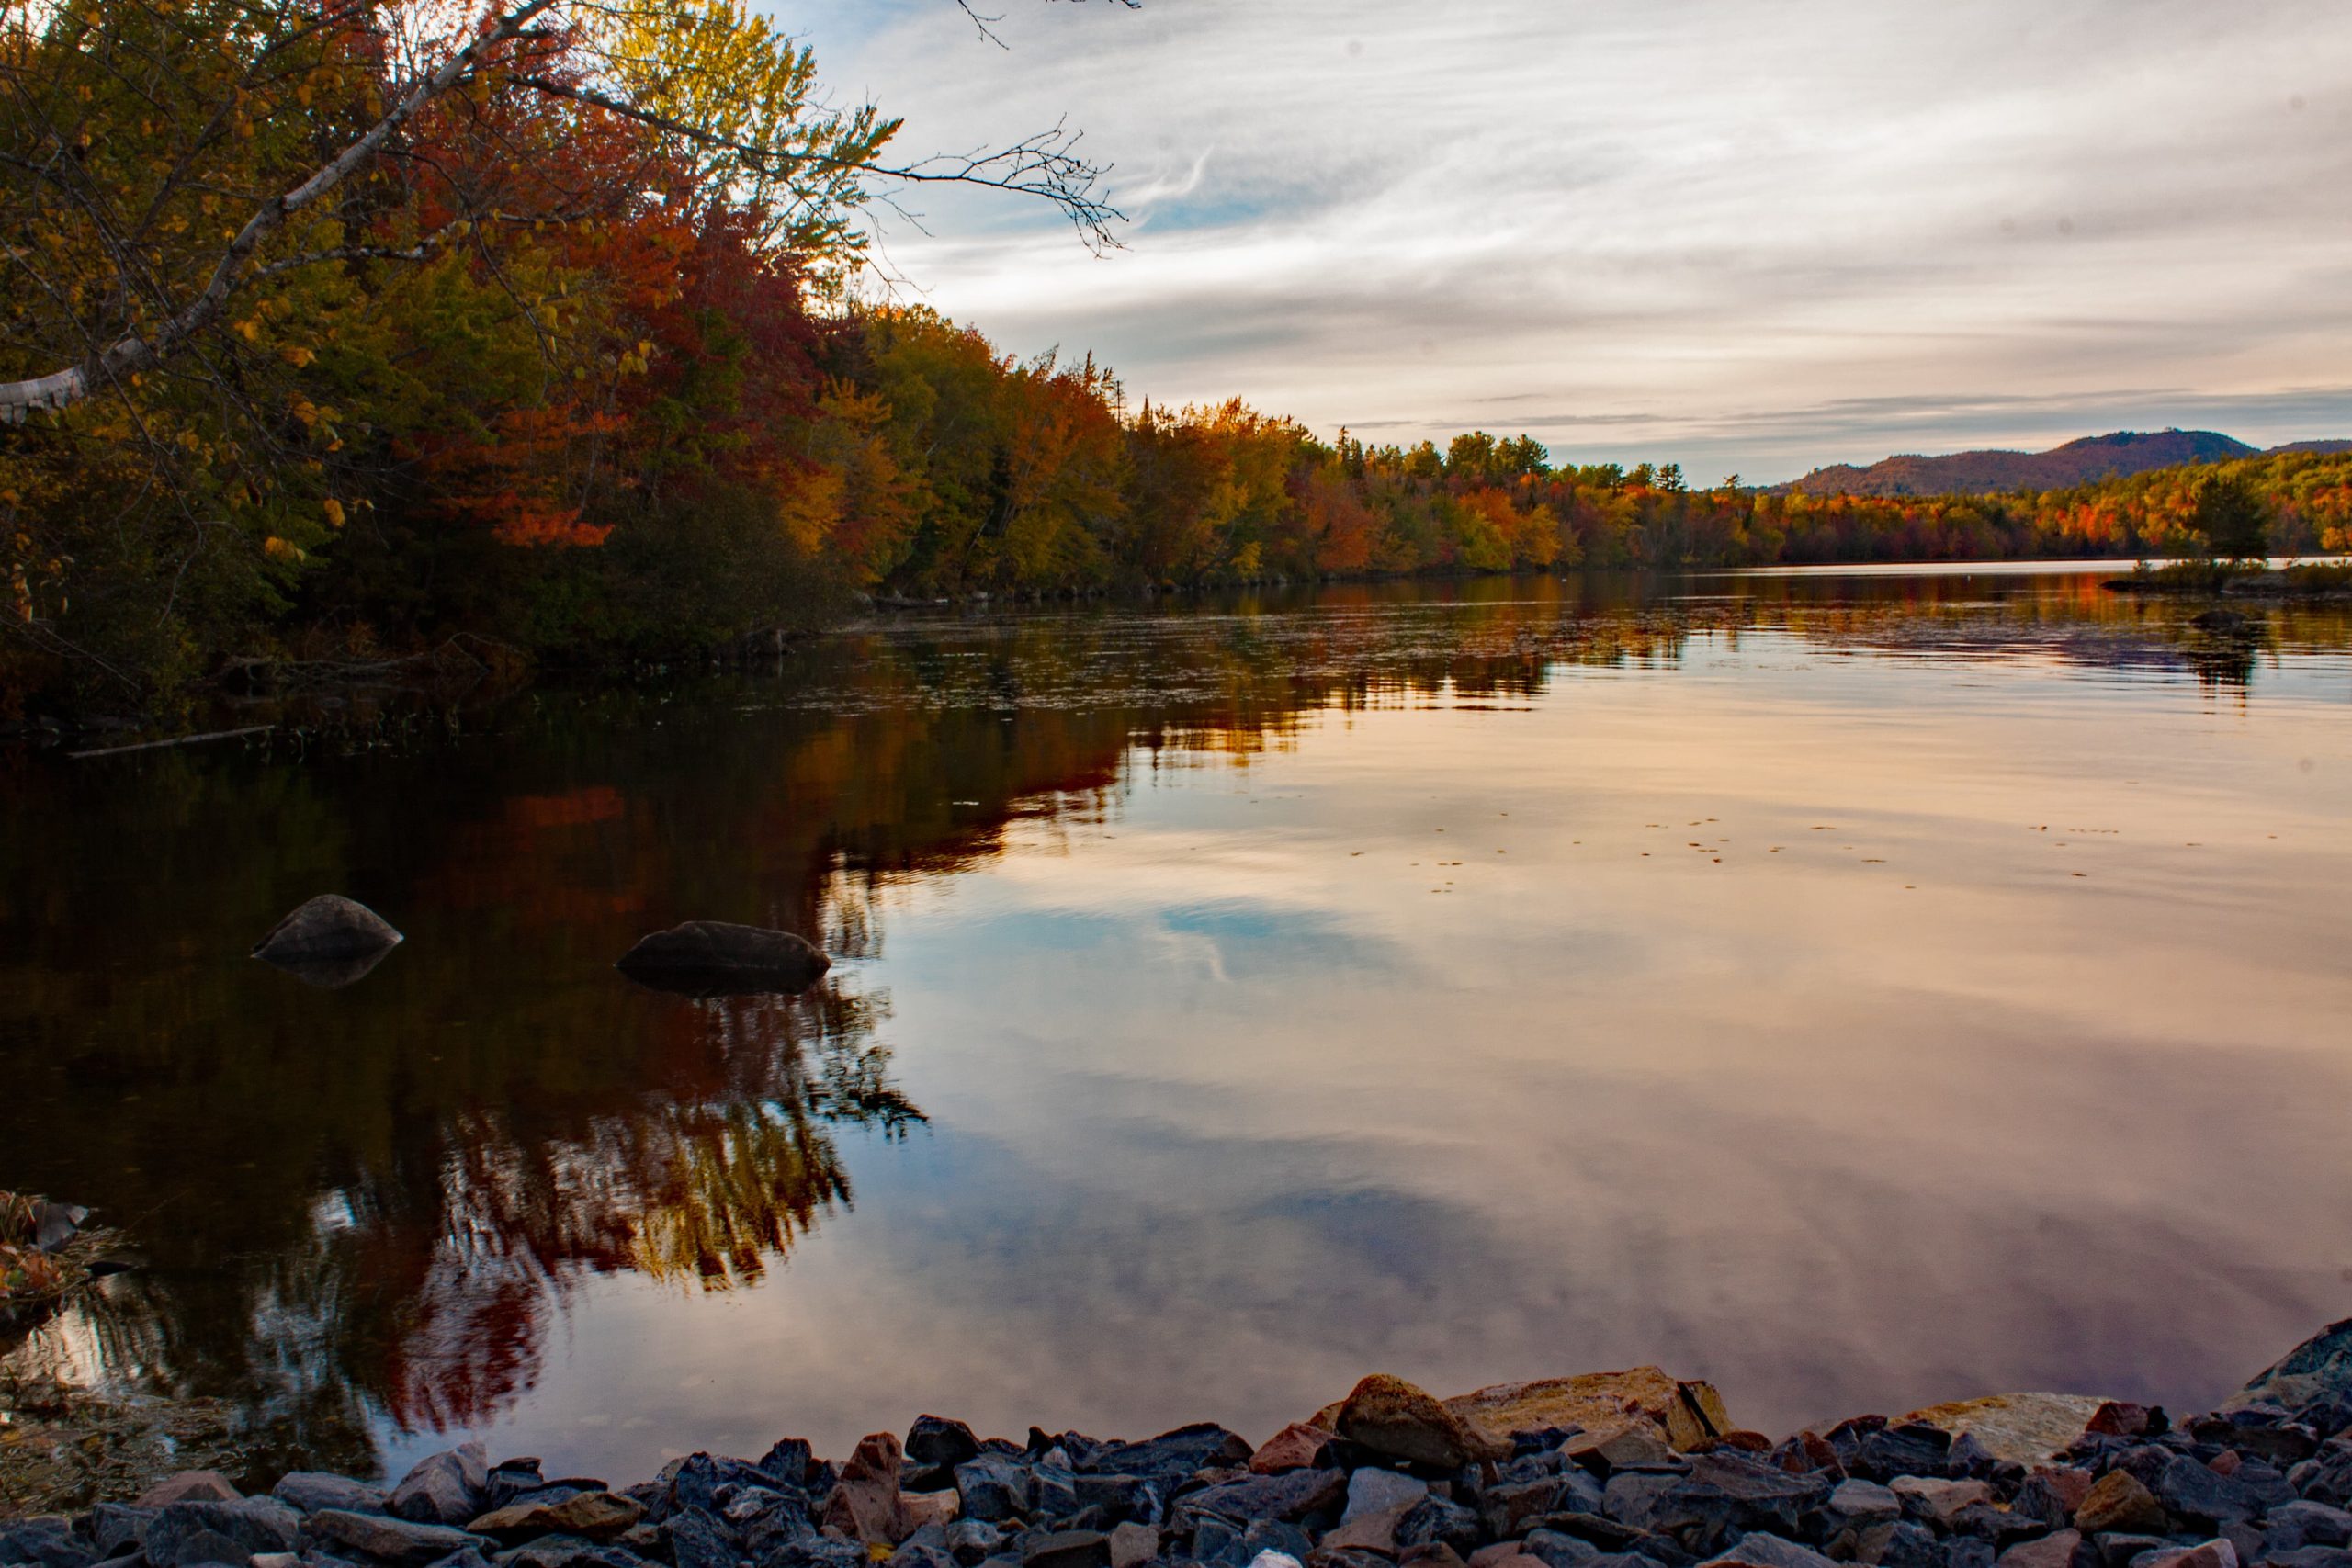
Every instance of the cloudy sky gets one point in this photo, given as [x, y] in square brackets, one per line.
[1753, 236]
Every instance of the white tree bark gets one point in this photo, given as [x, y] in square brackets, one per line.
[60, 388]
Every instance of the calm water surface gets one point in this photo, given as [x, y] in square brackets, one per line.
[1859, 991]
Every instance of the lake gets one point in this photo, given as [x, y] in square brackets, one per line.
[1859, 989]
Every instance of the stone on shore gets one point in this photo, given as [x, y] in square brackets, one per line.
[310, 1490]
[2054, 1550]
[1762, 1550]
[405, 1543]
[1684, 1413]
[993, 1488]
[863, 1506]
[1391, 1416]
[710, 958]
[590, 1515]
[2118, 1503]
[2316, 1374]
[1296, 1447]
[1375, 1490]
[2020, 1429]
[225, 1531]
[445, 1488]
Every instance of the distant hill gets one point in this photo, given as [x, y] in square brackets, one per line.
[2078, 462]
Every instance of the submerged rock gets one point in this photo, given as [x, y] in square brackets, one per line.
[330, 941]
[713, 958]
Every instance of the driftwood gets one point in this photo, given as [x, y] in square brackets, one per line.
[173, 740]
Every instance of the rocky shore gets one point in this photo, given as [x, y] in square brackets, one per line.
[1621, 1470]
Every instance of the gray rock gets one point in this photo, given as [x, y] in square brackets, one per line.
[1133, 1545]
[1173, 1457]
[1437, 1520]
[1913, 1448]
[1864, 1502]
[1512, 1510]
[1069, 1549]
[564, 1551]
[326, 929]
[1897, 1544]
[1725, 1496]
[693, 1538]
[1375, 1490]
[993, 1487]
[254, 1524]
[1633, 1496]
[1118, 1498]
[207, 1549]
[2117, 1548]
[703, 1480]
[972, 1542]
[821, 1552]
[2326, 1476]
[445, 1488]
[116, 1528]
[1213, 1539]
[1968, 1553]
[2204, 1554]
[1934, 1500]
[2316, 1374]
[937, 1441]
[1291, 1495]
[1764, 1550]
[310, 1490]
[708, 958]
[2311, 1557]
[45, 1542]
[1554, 1549]
[1054, 1491]
[2291, 1525]
[2191, 1492]
[791, 1462]
[405, 1542]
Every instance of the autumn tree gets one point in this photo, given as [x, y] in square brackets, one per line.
[234, 234]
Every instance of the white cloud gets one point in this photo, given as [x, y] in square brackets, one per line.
[1753, 234]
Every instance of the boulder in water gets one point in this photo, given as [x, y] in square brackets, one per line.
[329, 941]
[713, 958]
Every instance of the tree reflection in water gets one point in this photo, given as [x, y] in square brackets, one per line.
[374, 1202]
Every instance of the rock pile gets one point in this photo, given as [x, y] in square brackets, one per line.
[1617, 1470]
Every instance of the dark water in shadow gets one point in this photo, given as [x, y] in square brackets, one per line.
[1858, 991]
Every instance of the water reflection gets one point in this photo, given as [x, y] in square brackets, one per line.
[1213, 1094]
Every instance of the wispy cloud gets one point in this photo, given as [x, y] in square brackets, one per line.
[1739, 235]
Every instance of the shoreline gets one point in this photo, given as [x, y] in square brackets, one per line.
[1618, 1470]
[336, 696]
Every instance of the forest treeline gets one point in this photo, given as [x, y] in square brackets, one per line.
[552, 371]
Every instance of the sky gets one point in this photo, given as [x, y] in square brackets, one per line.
[1750, 236]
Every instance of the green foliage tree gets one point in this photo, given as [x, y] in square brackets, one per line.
[2231, 518]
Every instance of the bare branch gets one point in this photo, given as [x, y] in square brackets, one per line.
[1045, 165]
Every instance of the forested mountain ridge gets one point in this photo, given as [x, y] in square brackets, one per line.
[1999, 471]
